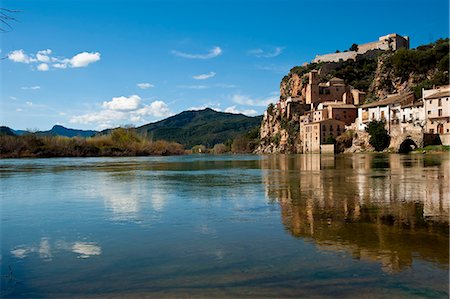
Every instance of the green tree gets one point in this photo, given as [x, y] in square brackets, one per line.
[354, 47]
[379, 137]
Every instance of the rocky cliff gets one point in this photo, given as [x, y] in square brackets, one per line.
[377, 73]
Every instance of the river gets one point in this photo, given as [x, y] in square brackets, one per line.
[363, 225]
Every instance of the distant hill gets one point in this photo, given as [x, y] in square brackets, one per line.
[58, 130]
[7, 131]
[207, 127]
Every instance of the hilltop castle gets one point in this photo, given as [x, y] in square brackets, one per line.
[388, 42]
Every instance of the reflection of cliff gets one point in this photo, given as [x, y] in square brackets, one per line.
[386, 208]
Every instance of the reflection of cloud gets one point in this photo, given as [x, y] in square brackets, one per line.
[20, 253]
[158, 201]
[86, 250]
[206, 230]
[45, 250]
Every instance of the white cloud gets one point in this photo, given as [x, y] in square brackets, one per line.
[60, 65]
[19, 109]
[145, 85]
[29, 103]
[45, 61]
[204, 76]
[84, 59]
[260, 53]
[156, 108]
[42, 56]
[43, 67]
[224, 85]
[193, 86]
[214, 52]
[106, 117]
[123, 103]
[249, 101]
[62, 113]
[20, 56]
[13, 98]
[30, 87]
[233, 109]
[123, 109]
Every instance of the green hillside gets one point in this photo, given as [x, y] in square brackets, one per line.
[206, 127]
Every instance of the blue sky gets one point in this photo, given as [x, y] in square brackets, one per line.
[94, 64]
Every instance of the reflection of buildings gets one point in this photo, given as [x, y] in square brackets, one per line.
[384, 208]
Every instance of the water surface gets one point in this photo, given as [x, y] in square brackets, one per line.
[370, 225]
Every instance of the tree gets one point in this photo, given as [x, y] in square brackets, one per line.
[354, 47]
[379, 137]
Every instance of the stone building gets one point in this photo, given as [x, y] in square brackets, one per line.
[387, 42]
[315, 136]
[333, 90]
[437, 112]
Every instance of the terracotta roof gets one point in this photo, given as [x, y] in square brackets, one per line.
[438, 95]
[390, 99]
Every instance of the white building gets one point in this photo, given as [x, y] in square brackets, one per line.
[386, 110]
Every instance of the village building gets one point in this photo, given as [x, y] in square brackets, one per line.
[437, 112]
[333, 90]
[386, 110]
[409, 117]
[317, 136]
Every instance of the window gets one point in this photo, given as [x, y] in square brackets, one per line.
[331, 127]
[431, 101]
[439, 102]
[429, 111]
[439, 112]
[431, 131]
[432, 122]
[373, 115]
[324, 128]
[338, 128]
[382, 114]
[404, 117]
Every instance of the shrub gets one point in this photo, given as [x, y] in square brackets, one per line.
[219, 149]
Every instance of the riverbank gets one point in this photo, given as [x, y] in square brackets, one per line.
[120, 142]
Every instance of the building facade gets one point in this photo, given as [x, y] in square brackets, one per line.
[437, 112]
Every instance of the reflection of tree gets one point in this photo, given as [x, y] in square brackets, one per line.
[376, 206]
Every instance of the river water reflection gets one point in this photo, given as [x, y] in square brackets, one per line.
[372, 225]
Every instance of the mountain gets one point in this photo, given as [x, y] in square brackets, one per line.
[58, 130]
[207, 127]
[7, 131]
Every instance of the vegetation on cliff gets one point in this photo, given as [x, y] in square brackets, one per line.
[379, 73]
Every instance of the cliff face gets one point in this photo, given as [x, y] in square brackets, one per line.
[376, 73]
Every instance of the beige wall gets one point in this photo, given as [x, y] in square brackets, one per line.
[437, 112]
[346, 115]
